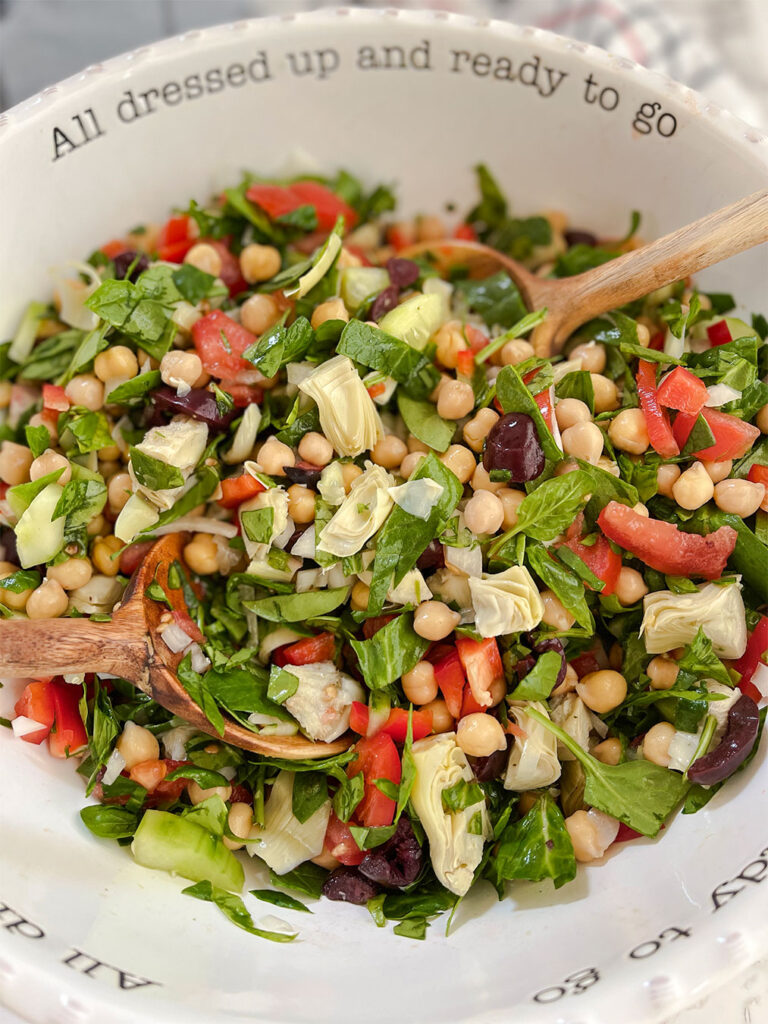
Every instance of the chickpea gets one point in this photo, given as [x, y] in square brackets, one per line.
[205, 258]
[516, 351]
[609, 466]
[259, 262]
[615, 656]
[555, 613]
[119, 491]
[409, 464]
[240, 820]
[73, 573]
[430, 228]
[110, 453]
[666, 477]
[662, 672]
[348, 259]
[693, 488]
[568, 684]
[349, 473]
[585, 837]
[434, 620]
[511, 500]
[718, 470]
[258, 313]
[477, 429]
[644, 334]
[592, 356]
[49, 462]
[583, 441]
[484, 513]
[5, 393]
[315, 448]
[333, 309]
[740, 497]
[606, 393]
[449, 340]
[656, 743]
[460, 461]
[48, 601]
[442, 720]
[87, 390]
[136, 744]
[197, 795]
[361, 592]
[570, 411]
[603, 690]
[630, 587]
[15, 463]
[455, 400]
[96, 526]
[389, 452]
[179, 368]
[301, 504]
[480, 734]
[201, 554]
[415, 445]
[274, 456]
[38, 420]
[481, 480]
[629, 432]
[118, 361]
[609, 751]
[419, 685]
[104, 548]
[761, 420]
[15, 601]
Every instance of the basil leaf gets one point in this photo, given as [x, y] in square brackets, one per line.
[577, 384]
[204, 777]
[279, 346]
[292, 433]
[233, 908]
[192, 284]
[307, 878]
[21, 580]
[130, 391]
[551, 508]
[310, 792]
[390, 652]
[699, 661]
[348, 796]
[38, 439]
[279, 899]
[496, 299]
[258, 523]
[514, 396]
[535, 847]
[110, 822]
[80, 501]
[207, 482]
[154, 473]
[460, 795]
[282, 684]
[90, 430]
[540, 681]
[381, 351]
[422, 420]
[298, 607]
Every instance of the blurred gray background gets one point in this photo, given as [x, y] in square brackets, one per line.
[717, 46]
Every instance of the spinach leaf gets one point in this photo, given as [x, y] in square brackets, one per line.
[413, 928]
[298, 607]
[422, 420]
[460, 795]
[50, 358]
[621, 330]
[307, 878]
[279, 899]
[381, 351]
[491, 211]
[535, 847]
[348, 796]
[580, 567]
[540, 681]
[583, 257]
[577, 384]
[565, 584]
[496, 299]
[700, 437]
[204, 777]
[390, 652]
[206, 483]
[422, 902]
[90, 430]
[193, 284]
[279, 346]
[131, 391]
[282, 684]
[233, 908]
[154, 473]
[699, 661]
[38, 439]
[310, 792]
[514, 396]
[110, 822]
[257, 524]
[551, 508]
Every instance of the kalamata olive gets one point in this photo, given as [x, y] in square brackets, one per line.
[513, 444]
[347, 885]
[8, 545]
[491, 767]
[123, 263]
[733, 748]
[397, 862]
[199, 403]
[432, 557]
[579, 238]
[402, 273]
[384, 302]
[303, 473]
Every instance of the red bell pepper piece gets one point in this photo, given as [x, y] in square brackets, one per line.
[68, 734]
[174, 240]
[733, 437]
[307, 651]
[377, 758]
[237, 489]
[759, 475]
[656, 419]
[340, 842]
[449, 677]
[465, 362]
[396, 725]
[601, 559]
[664, 547]
[682, 390]
[755, 652]
[719, 333]
[481, 662]
[469, 706]
[36, 702]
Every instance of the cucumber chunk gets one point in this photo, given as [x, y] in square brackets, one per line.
[415, 320]
[169, 843]
[38, 535]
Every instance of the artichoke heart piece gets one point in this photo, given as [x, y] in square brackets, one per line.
[285, 842]
[180, 443]
[574, 717]
[533, 761]
[506, 602]
[417, 497]
[360, 514]
[348, 415]
[455, 851]
[276, 499]
[323, 699]
[673, 620]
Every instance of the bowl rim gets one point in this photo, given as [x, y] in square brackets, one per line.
[67, 995]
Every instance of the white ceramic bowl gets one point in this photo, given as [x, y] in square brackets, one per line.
[87, 936]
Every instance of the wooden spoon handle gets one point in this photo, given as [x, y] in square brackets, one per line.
[699, 245]
[56, 646]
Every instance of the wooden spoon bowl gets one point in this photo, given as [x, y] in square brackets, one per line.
[131, 646]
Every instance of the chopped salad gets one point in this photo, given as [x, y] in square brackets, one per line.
[528, 592]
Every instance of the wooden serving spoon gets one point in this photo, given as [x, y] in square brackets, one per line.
[130, 646]
[572, 301]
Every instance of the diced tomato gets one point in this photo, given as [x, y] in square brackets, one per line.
[243, 395]
[237, 489]
[113, 248]
[465, 362]
[400, 235]
[601, 559]
[449, 676]
[340, 842]
[585, 663]
[656, 419]
[625, 834]
[309, 650]
[372, 626]
[279, 200]
[55, 397]
[359, 716]
[719, 333]
[188, 624]
[377, 758]
[664, 547]
[466, 233]
[476, 339]
[396, 725]
[36, 702]
[230, 272]
[68, 734]
[148, 774]
[682, 390]
[222, 358]
[733, 437]
[175, 240]
[132, 556]
[469, 706]
[167, 791]
[755, 652]
[657, 341]
[482, 666]
[759, 475]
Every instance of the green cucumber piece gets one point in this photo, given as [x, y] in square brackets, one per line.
[39, 536]
[415, 320]
[167, 842]
[358, 283]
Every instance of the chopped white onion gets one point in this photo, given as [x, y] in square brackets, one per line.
[282, 538]
[760, 679]
[245, 437]
[336, 578]
[719, 394]
[175, 639]
[465, 561]
[23, 726]
[175, 742]
[197, 524]
[607, 828]
[73, 294]
[115, 764]
[228, 771]
[306, 579]
[198, 661]
[74, 678]
[305, 545]
[271, 726]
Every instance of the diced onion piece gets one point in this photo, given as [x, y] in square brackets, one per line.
[198, 660]
[73, 294]
[175, 742]
[606, 828]
[417, 497]
[245, 437]
[74, 678]
[175, 639]
[719, 394]
[305, 545]
[23, 726]
[115, 764]
[760, 679]
[306, 579]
